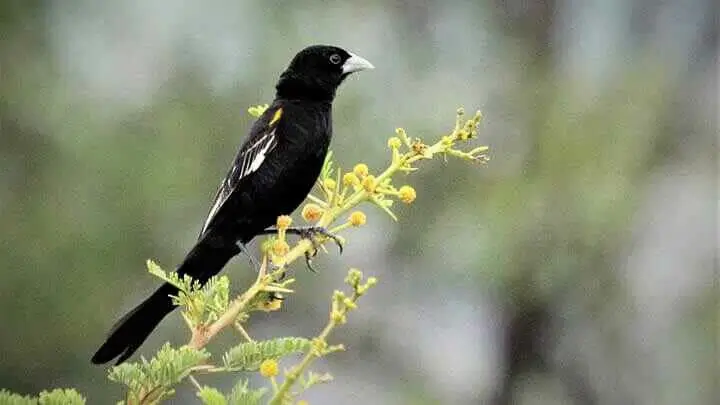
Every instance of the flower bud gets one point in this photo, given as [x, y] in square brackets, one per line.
[269, 368]
[369, 183]
[394, 142]
[407, 194]
[357, 218]
[283, 222]
[350, 179]
[361, 170]
[329, 184]
[312, 212]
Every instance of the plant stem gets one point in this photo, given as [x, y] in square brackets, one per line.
[314, 353]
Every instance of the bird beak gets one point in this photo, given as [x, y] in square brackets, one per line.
[355, 64]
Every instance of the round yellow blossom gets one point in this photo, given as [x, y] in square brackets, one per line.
[361, 170]
[418, 147]
[407, 194]
[357, 218]
[312, 212]
[283, 222]
[329, 184]
[350, 179]
[273, 304]
[269, 368]
[303, 402]
[280, 247]
[394, 142]
[369, 183]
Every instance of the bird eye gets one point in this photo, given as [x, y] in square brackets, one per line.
[335, 59]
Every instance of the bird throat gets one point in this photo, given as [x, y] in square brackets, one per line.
[293, 86]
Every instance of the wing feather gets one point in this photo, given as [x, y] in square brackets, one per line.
[249, 160]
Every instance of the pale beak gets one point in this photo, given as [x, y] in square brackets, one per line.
[355, 64]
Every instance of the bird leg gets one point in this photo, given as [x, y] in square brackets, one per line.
[256, 265]
[310, 233]
[253, 261]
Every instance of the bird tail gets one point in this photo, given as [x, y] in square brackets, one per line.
[204, 261]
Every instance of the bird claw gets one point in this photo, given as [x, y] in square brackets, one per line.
[311, 232]
[308, 260]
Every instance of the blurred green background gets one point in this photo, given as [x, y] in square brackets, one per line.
[576, 268]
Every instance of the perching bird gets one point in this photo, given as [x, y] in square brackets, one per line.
[273, 172]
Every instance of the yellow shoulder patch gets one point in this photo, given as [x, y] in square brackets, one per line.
[276, 117]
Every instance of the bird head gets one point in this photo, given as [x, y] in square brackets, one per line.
[316, 72]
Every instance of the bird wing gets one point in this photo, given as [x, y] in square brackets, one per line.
[250, 157]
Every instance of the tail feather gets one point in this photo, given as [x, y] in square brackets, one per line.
[203, 262]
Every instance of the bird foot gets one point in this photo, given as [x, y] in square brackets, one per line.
[311, 233]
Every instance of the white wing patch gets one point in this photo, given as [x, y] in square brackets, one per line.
[251, 159]
[255, 154]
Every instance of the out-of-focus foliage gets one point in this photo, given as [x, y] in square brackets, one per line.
[576, 268]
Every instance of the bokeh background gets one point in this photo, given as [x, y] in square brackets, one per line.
[576, 268]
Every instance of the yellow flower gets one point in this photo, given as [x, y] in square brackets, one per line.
[350, 179]
[269, 368]
[329, 184]
[283, 222]
[418, 147]
[361, 170]
[312, 212]
[273, 304]
[280, 247]
[394, 142]
[369, 183]
[357, 218]
[407, 194]
[303, 402]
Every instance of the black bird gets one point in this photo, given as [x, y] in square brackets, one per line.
[273, 172]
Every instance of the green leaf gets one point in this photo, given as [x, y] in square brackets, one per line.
[61, 397]
[9, 398]
[201, 304]
[248, 356]
[315, 378]
[211, 396]
[157, 376]
[327, 168]
[184, 284]
[242, 395]
[58, 396]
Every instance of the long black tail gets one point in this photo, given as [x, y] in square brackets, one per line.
[203, 262]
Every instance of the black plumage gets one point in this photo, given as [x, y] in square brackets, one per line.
[273, 171]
